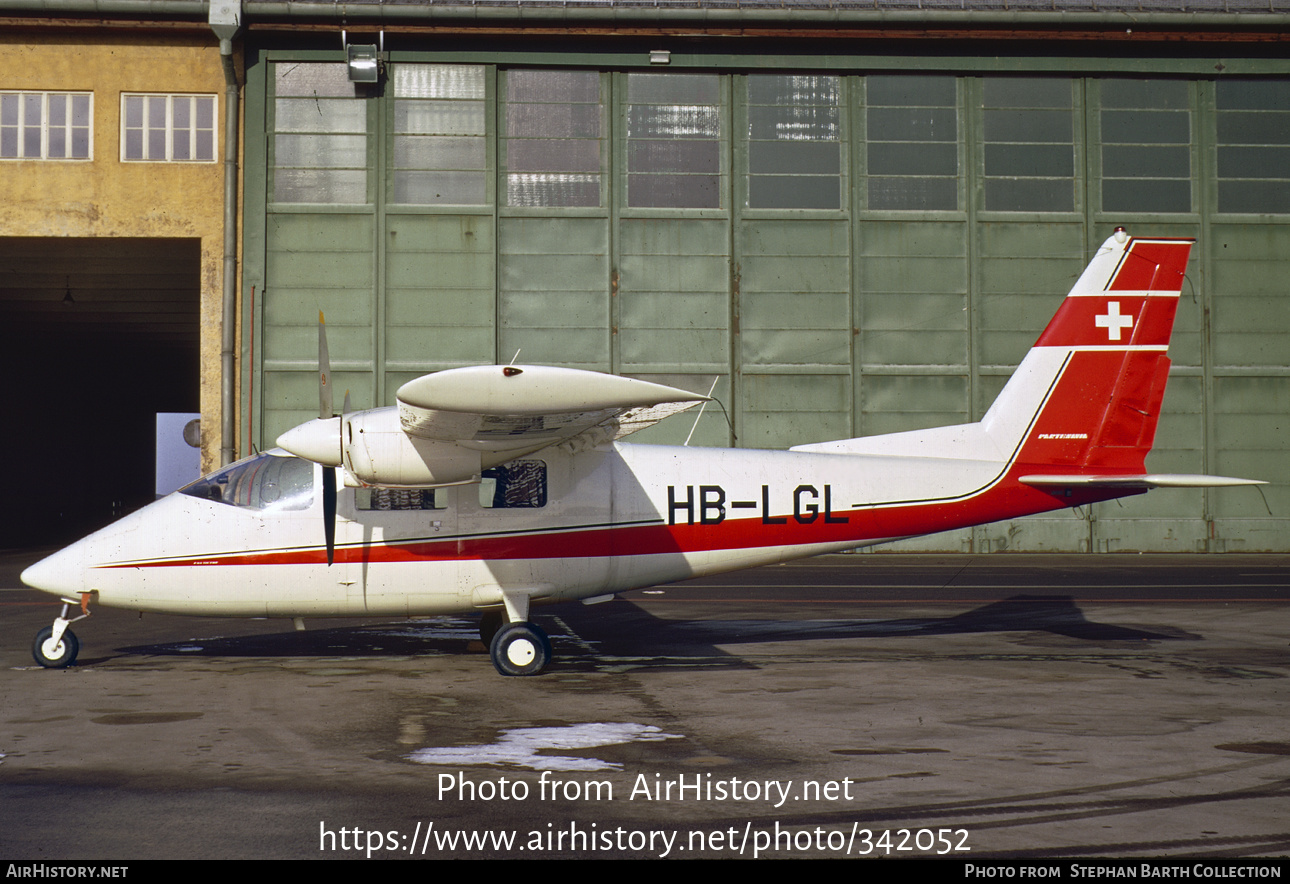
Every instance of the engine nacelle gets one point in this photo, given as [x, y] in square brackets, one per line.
[378, 452]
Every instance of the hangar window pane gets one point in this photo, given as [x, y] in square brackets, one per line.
[319, 135]
[911, 126]
[1146, 146]
[1253, 146]
[168, 128]
[674, 141]
[46, 125]
[553, 138]
[1029, 143]
[440, 135]
[794, 141]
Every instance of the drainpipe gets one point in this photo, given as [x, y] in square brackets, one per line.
[225, 19]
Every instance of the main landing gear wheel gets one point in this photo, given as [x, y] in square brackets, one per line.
[55, 653]
[520, 649]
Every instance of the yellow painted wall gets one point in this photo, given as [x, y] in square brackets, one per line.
[106, 197]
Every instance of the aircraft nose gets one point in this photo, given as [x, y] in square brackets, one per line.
[63, 573]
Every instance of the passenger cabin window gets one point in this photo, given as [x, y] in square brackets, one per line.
[517, 485]
[390, 499]
[264, 482]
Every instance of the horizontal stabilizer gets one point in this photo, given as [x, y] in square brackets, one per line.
[1145, 480]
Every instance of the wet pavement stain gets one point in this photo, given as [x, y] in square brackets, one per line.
[146, 717]
[1256, 748]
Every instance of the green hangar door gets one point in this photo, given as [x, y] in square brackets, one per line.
[834, 254]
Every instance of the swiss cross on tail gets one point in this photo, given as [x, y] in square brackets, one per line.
[1113, 321]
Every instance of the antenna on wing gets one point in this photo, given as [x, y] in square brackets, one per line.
[516, 356]
[701, 407]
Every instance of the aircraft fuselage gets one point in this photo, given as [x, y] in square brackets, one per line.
[611, 519]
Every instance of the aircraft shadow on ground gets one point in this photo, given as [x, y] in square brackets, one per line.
[623, 631]
[640, 632]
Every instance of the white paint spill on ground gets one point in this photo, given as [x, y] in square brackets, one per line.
[521, 746]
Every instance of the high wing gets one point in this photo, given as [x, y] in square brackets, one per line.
[508, 407]
[450, 425]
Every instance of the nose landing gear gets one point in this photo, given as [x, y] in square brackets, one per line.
[56, 646]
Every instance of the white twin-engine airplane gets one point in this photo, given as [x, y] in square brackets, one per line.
[497, 488]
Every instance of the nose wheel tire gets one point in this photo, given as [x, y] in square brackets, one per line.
[520, 649]
[55, 654]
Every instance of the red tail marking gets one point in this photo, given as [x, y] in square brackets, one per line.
[1152, 266]
[1126, 320]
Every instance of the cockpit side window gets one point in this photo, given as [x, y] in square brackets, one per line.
[265, 482]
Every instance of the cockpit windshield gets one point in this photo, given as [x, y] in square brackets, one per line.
[265, 482]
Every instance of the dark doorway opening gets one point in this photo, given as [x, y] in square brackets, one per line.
[97, 335]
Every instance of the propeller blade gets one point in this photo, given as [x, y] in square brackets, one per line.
[324, 371]
[329, 511]
[325, 412]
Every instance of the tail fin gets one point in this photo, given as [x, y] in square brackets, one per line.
[1088, 395]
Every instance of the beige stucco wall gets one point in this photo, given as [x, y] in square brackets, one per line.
[106, 197]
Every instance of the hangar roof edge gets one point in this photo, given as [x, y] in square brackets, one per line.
[927, 11]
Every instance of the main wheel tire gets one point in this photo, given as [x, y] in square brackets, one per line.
[520, 649]
[489, 625]
[55, 654]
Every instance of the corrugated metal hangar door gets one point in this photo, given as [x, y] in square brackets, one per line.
[840, 255]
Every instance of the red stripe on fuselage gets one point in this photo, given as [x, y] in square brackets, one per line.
[1004, 500]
